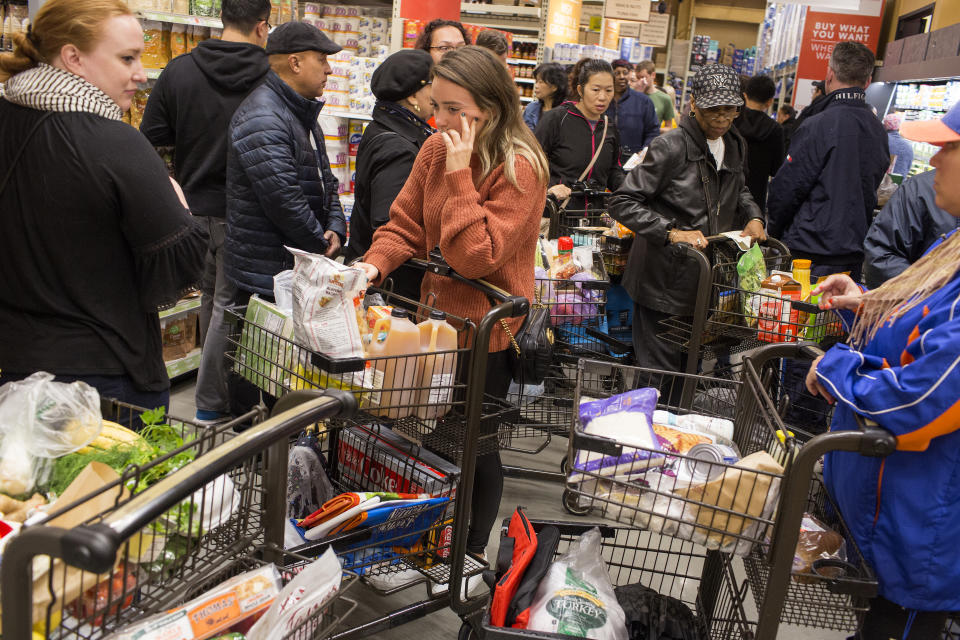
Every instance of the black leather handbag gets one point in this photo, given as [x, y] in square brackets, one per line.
[532, 346]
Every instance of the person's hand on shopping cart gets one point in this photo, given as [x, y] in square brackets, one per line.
[372, 272]
[839, 291]
[460, 143]
[755, 230]
[813, 383]
[560, 191]
[693, 238]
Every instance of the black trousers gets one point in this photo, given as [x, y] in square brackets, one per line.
[488, 477]
[652, 352]
[886, 620]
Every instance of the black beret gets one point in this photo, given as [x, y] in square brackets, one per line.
[294, 37]
[401, 75]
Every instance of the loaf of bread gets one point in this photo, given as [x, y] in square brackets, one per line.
[817, 541]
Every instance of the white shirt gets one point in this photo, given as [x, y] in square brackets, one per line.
[716, 150]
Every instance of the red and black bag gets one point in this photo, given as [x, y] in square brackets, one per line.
[518, 613]
[517, 550]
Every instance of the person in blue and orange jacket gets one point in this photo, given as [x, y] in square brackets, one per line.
[901, 369]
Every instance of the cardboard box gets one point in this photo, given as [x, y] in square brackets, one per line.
[179, 335]
[266, 352]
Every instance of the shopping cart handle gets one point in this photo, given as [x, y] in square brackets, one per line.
[439, 266]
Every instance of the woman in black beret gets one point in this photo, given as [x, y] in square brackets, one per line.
[388, 148]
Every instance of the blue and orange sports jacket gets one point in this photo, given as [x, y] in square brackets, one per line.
[904, 510]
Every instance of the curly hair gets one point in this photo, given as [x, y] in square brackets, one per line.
[426, 36]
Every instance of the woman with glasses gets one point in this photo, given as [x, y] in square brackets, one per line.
[442, 36]
[690, 185]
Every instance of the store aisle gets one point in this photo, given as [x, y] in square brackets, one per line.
[541, 500]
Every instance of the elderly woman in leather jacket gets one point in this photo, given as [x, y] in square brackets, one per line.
[690, 185]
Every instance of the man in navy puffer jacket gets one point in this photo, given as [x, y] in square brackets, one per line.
[821, 201]
[280, 189]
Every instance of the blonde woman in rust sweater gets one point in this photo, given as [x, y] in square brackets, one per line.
[477, 192]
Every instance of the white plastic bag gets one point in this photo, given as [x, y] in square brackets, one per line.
[310, 591]
[327, 297]
[283, 291]
[41, 420]
[576, 597]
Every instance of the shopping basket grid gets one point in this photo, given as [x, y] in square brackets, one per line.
[834, 597]
[704, 581]
[182, 545]
[391, 390]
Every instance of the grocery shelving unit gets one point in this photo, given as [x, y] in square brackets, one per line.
[524, 23]
[923, 100]
[191, 361]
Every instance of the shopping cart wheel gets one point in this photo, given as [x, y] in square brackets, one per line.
[563, 464]
[466, 632]
[571, 502]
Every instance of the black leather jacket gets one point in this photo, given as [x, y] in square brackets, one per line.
[678, 187]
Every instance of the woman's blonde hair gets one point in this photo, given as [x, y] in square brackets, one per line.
[58, 23]
[505, 136]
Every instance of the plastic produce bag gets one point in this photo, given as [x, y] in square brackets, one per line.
[817, 542]
[576, 597]
[752, 271]
[283, 291]
[40, 420]
[327, 305]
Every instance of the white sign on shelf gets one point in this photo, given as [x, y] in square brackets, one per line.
[654, 33]
[635, 10]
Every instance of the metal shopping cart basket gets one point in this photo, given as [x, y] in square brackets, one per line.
[704, 582]
[406, 437]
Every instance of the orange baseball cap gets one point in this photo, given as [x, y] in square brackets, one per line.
[936, 132]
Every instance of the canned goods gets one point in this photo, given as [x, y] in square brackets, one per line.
[704, 461]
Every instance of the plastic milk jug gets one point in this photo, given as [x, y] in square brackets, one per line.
[436, 372]
[395, 351]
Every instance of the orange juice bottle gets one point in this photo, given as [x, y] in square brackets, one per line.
[395, 352]
[436, 372]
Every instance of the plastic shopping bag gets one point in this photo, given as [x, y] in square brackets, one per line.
[41, 420]
[576, 597]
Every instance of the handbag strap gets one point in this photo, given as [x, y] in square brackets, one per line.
[23, 147]
[593, 160]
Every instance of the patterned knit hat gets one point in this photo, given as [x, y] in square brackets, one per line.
[717, 85]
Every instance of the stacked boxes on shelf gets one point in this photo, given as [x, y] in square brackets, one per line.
[570, 53]
[633, 51]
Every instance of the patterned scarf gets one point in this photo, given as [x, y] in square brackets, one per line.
[48, 88]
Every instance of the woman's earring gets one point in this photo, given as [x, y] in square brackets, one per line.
[417, 107]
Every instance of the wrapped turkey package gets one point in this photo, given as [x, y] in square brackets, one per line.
[576, 597]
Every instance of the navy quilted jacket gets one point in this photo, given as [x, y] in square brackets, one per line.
[280, 190]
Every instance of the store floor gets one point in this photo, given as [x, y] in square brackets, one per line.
[541, 500]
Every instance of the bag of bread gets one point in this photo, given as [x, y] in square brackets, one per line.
[817, 542]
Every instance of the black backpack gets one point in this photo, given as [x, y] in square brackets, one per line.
[651, 616]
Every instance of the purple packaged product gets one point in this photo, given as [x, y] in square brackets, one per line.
[638, 400]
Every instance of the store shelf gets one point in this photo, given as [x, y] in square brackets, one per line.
[517, 38]
[524, 80]
[184, 306]
[164, 16]
[499, 10]
[186, 364]
[346, 114]
[520, 60]
[527, 98]
[153, 74]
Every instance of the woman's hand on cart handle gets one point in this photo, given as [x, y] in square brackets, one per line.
[813, 383]
[372, 272]
[460, 144]
[693, 238]
[560, 191]
[755, 230]
[839, 291]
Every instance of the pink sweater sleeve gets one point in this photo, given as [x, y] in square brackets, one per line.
[404, 236]
[478, 238]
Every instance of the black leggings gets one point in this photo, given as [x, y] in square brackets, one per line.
[887, 620]
[488, 477]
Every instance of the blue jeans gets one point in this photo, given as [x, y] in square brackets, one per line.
[113, 387]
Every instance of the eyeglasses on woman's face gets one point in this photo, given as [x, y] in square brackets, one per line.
[443, 48]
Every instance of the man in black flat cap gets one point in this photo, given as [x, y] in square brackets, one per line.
[280, 189]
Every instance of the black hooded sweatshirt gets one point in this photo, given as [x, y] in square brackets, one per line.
[766, 150]
[190, 109]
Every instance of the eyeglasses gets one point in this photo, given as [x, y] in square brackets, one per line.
[720, 113]
[267, 22]
[449, 47]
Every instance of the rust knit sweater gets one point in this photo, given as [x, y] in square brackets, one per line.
[484, 232]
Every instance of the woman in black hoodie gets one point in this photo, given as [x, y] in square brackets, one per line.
[571, 134]
[389, 146]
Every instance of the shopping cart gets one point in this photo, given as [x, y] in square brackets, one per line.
[405, 437]
[705, 582]
[723, 506]
[111, 558]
